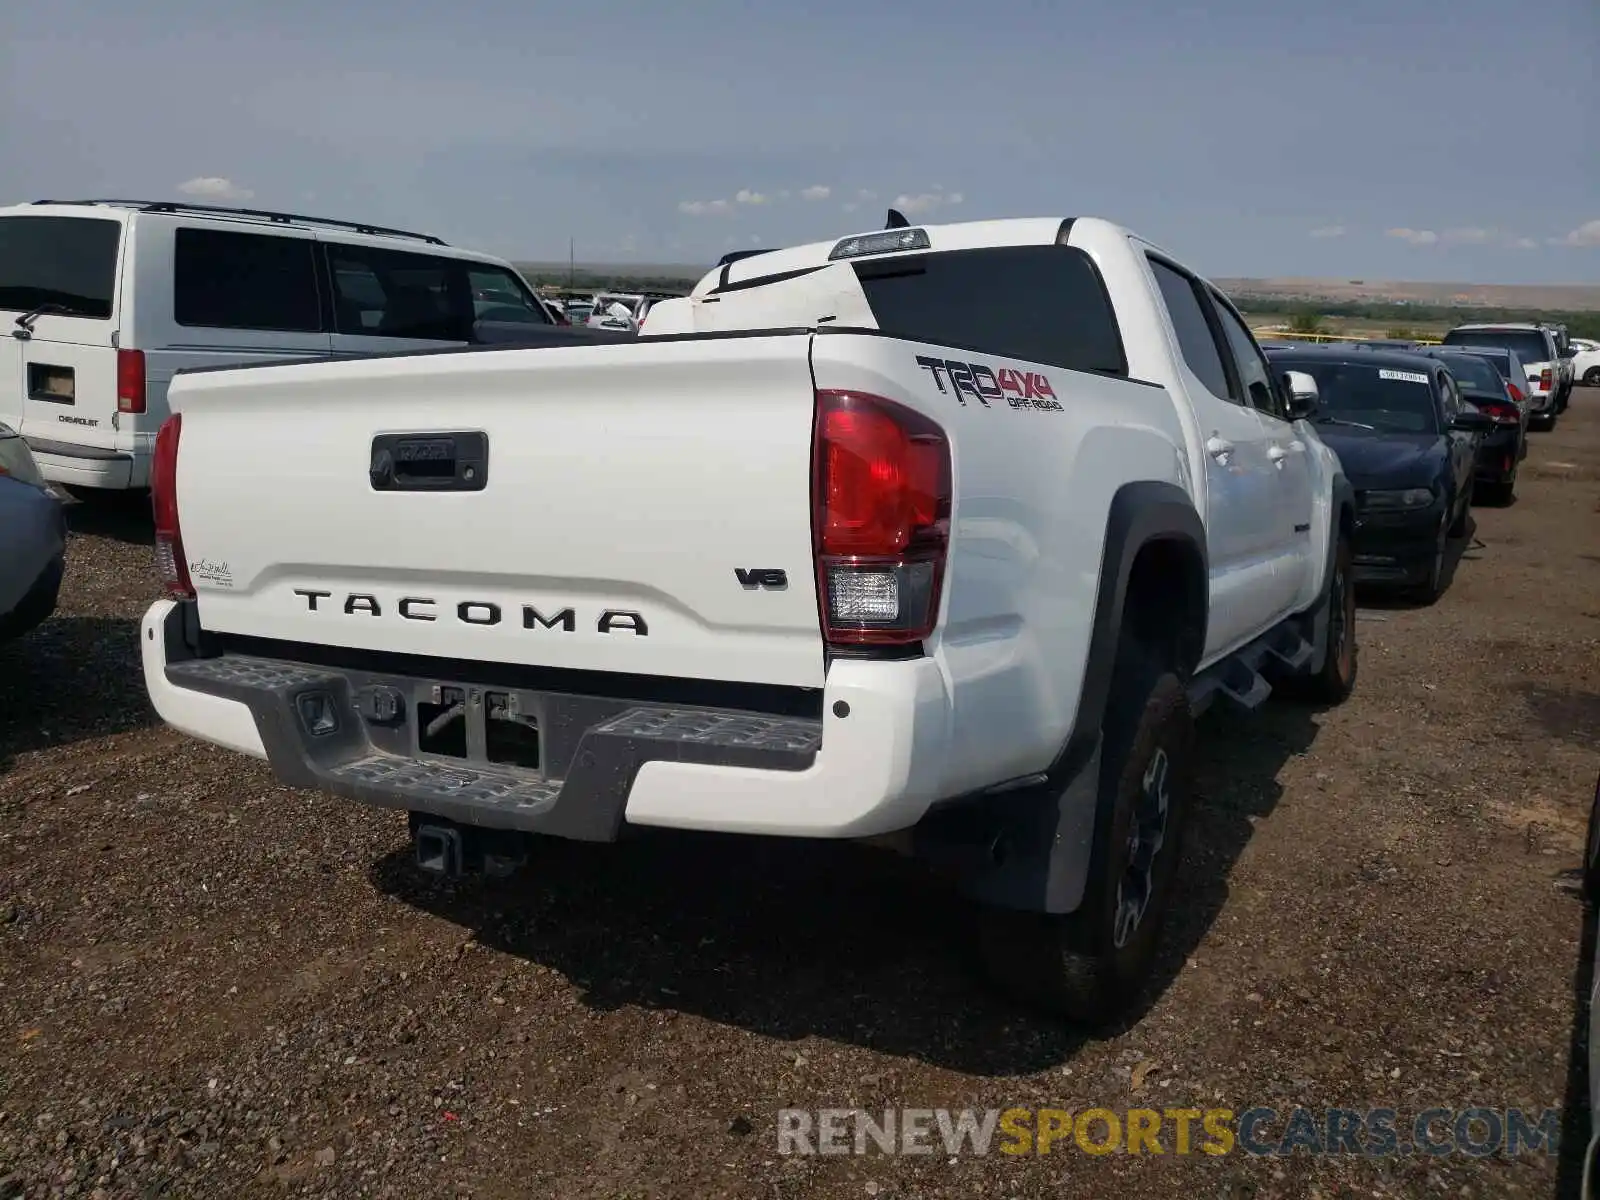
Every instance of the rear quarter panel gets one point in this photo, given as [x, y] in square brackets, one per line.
[1032, 492]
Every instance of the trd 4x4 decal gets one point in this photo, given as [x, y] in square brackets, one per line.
[1018, 388]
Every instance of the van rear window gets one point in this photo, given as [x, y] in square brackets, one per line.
[66, 262]
[1041, 304]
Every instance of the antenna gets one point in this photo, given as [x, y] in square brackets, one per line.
[897, 220]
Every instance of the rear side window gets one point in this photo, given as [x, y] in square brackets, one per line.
[225, 280]
[68, 262]
[1195, 340]
[389, 293]
[1040, 304]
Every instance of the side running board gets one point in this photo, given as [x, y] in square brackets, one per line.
[1241, 676]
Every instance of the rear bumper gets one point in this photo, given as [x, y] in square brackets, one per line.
[90, 466]
[1499, 454]
[866, 764]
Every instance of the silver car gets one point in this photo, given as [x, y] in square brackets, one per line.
[33, 538]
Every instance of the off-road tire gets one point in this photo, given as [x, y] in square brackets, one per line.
[1337, 678]
[1071, 965]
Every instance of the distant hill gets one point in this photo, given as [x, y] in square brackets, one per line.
[655, 276]
[1527, 297]
[1530, 297]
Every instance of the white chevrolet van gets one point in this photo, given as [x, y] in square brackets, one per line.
[102, 300]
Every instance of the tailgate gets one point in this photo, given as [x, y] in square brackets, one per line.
[626, 489]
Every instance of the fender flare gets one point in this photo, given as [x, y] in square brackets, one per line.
[1048, 829]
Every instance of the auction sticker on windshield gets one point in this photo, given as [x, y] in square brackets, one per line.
[1403, 376]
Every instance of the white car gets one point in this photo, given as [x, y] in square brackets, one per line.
[623, 310]
[1586, 362]
[104, 300]
[832, 554]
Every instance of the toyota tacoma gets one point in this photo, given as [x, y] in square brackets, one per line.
[830, 552]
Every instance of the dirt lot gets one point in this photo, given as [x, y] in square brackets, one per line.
[214, 986]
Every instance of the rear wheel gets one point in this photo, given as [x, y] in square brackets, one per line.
[1591, 377]
[1089, 965]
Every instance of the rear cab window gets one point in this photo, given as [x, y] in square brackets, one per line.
[1062, 318]
[68, 263]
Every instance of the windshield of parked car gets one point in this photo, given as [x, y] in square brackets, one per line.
[66, 263]
[1474, 374]
[1383, 398]
[1530, 347]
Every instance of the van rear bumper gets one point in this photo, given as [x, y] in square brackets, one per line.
[867, 764]
[89, 466]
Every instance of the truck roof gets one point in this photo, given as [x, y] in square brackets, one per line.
[960, 235]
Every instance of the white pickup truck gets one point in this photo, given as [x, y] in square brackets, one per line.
[832, 553]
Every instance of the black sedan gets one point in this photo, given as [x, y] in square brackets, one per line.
[1506, 444]
[1409, 445]
[33, 535]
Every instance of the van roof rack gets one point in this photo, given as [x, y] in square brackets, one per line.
[259, 214]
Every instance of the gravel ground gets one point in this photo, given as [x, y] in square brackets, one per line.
[211, 985]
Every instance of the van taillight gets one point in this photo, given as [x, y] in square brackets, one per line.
[170, 559]
[880, 519]
[130, 381]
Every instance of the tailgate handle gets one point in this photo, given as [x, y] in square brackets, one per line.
[429, 462]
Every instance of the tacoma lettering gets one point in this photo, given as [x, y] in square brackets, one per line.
[489, 613]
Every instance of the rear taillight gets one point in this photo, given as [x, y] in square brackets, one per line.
[1514, 392]
[880, 519]
[170, 559]
[1505, 414]
[130, 381]
[1545, 376]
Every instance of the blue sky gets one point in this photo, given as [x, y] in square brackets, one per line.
[1407, 139]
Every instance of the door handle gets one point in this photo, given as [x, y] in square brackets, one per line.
[1219, 448]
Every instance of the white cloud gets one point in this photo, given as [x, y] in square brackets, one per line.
[782, 194]
[703, 208]
[1467, 237]
[755, 239]
[746, 196]
[1523, 243]
[1417, 237]
[214, 187]
[1328, 231]
[1587, 234]
[866, 194]
[849, 206]
[924, 203]
[817, 191]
